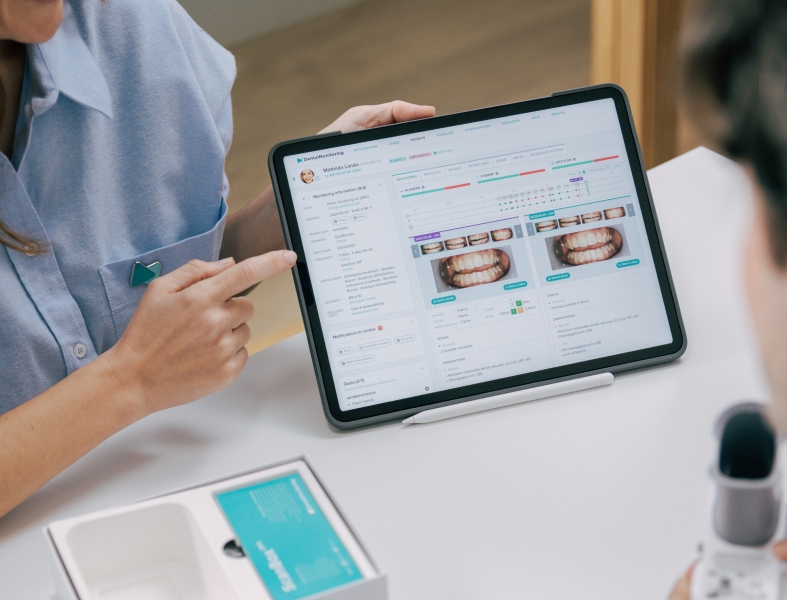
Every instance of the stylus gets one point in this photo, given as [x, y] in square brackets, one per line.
[536, 393]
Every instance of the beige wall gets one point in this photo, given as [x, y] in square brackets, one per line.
[233, 21]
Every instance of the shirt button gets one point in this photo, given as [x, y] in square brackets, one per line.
[31, 249]
[80, 350]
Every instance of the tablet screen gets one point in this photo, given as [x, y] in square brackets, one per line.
[476, 252]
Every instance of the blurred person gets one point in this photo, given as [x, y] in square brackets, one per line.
[735, 78]
[115, 120]
[307, 176]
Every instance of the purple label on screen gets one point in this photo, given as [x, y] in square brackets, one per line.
[576, 179]
[426, 236]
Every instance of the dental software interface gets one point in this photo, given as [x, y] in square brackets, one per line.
[476, 252]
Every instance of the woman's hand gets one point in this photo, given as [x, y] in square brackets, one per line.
[186, 339]
[366, 117]
[188, 335]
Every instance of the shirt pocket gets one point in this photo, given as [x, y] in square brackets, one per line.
[123, 299]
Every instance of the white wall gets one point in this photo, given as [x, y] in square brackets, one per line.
[233, 21]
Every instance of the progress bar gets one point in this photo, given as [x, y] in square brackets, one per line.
[510, 176]
[584, 162]
[442, 189]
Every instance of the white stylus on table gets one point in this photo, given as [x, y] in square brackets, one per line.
[536, 393]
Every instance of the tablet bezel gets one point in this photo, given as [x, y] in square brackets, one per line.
[409, 406]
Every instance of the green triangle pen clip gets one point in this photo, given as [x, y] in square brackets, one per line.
[144, 273]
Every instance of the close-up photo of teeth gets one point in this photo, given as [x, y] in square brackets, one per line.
[569, 221]
[474, 268]
[432, 247]
[585, 247]
[456, 243]
[615, 213]
[591, 217]
[476, 239]
[546, 226]
[500, 235]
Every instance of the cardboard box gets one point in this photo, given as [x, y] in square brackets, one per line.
[185, 544]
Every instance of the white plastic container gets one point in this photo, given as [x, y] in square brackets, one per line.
[172, 548]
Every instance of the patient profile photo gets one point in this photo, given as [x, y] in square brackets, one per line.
[307, 176]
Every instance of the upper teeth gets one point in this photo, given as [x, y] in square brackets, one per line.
[584, 239]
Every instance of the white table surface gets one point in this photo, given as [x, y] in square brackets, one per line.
[599, 494]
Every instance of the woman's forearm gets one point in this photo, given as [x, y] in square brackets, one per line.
[253, 230]
[186, 339]
[48, 433]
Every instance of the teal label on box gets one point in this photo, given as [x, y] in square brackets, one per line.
[288, 539]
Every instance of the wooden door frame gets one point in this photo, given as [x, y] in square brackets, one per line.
[634, 43]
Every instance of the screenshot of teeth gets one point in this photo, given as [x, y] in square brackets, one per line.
[477, 252]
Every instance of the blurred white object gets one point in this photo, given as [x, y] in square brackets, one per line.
[738, 562]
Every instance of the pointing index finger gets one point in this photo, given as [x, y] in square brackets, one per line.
[249, 272]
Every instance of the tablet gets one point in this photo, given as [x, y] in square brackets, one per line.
[474, 254]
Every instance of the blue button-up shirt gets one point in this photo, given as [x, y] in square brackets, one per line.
[118, 157]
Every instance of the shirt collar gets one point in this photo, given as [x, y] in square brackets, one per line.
[65, 65]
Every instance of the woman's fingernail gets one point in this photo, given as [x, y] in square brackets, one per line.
[226, 261]
[290, 257]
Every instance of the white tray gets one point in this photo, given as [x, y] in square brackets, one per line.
[172, 548]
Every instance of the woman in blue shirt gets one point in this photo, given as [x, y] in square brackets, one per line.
[115, 119]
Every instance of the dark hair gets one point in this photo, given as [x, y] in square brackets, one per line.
[735, 79]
